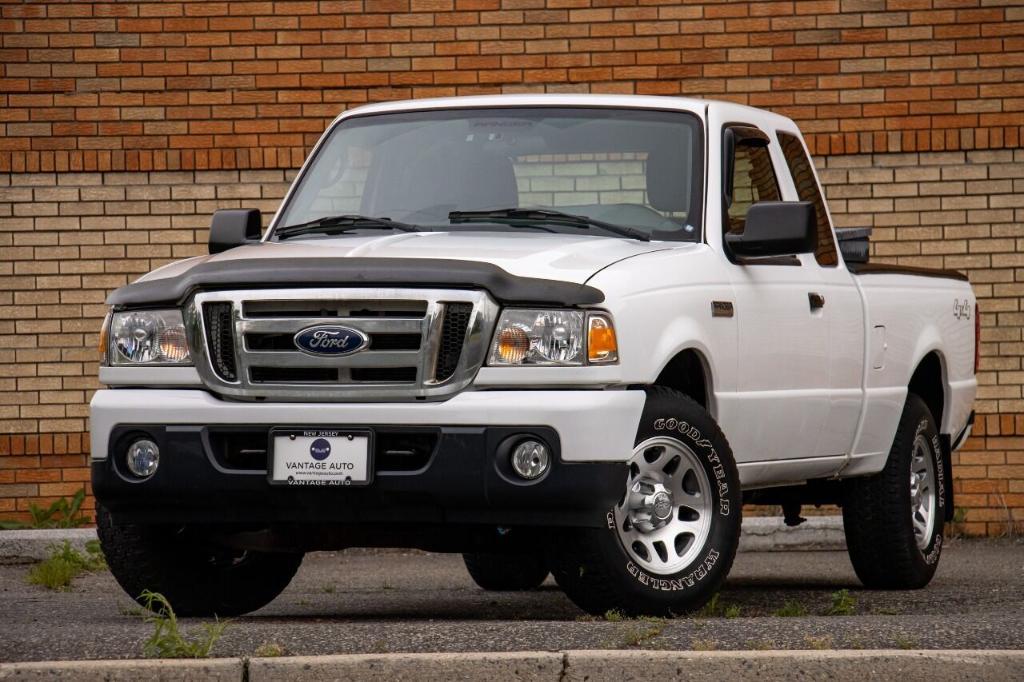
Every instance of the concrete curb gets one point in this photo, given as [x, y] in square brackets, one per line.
[164, 670]
[908, 666]
[35, 545]
[771, 534]
[535, 666]
[760, 534]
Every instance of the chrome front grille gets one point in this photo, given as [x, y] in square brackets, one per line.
[453, 337]
[220, 335]
[422, 343]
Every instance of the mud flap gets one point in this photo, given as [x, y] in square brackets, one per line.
[946, 447]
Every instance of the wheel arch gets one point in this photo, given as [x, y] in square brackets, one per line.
[689, 372]
[928, 382]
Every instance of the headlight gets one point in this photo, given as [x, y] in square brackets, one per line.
[147, 337]
[552, 338]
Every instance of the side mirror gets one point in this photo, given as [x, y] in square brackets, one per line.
[233, 227]
[776, 228]
[854, 243]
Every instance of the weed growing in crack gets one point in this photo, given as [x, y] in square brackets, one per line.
[842, 604]
[642, 633]
[66, 563]
[167, 640]
[704, 645]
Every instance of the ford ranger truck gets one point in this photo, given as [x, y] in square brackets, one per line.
[559, 334]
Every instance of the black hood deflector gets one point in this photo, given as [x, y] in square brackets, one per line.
[269, 273]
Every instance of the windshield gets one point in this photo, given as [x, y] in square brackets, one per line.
[633, 168]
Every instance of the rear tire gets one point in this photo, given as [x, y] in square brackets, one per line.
[895, 518]
[669, 543]
[198, 578]
[506, 572]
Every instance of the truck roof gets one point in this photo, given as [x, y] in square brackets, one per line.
[696, 105]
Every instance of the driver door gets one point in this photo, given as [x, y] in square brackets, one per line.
[782, 400]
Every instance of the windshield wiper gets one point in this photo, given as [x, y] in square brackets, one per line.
[342, 223]
[544, 215]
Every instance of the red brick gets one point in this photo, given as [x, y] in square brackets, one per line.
[251, 84]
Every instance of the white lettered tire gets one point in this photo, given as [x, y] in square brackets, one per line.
[669, 543]
[894, 520]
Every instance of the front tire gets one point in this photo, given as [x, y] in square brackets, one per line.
[895, 518]
[506, 572]
[670, 541]
[198, 578]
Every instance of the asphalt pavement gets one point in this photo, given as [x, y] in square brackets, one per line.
[381, 602]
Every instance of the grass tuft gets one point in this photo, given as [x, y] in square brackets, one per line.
[842, 604]
[64, 564]
[53, 573]
[711, 609]
[643, 632]
[167, 640]
[715, 608]
[704, 645]
[62, 513]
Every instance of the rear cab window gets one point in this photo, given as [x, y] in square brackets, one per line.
[802, 172]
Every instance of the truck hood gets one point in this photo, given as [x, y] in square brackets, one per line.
[560, 257]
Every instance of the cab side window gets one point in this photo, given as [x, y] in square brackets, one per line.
[807, 189]
[753, 180]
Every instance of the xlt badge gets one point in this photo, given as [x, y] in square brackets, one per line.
[721, 309]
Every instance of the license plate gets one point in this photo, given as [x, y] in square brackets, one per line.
[320, 457]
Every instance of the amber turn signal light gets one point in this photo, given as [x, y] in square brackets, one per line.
[602, 347]
[104, 336]
[513, 345]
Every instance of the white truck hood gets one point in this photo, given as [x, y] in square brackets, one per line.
[567, 258]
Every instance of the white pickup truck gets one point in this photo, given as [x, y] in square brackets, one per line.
[558, 334]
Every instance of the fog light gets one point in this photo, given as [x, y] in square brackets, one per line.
[142, 458]
[531, 459]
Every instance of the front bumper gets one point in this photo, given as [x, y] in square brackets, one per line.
[461, 480]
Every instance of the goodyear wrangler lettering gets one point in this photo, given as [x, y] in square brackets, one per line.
[694, 434]
[674, 584]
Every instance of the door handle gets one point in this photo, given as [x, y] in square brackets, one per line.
[817, 301]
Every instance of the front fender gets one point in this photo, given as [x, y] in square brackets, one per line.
[662, 305]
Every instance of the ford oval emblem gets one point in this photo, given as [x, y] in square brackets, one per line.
[330, 340]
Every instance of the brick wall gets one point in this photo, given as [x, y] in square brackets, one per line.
[965, 211]
[123, 125]
[182, 85]
[66, 240]
[70, 238]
